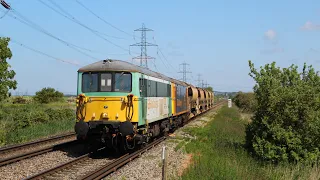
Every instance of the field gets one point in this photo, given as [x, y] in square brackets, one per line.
[218, 153]
[21, 122]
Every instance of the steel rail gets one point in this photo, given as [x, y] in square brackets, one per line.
[113, 166]
[19, 146]
[33, 153]
[57, 168]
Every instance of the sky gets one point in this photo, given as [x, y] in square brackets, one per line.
[215, 38]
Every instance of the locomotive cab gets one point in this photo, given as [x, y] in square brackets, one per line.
[105, 105]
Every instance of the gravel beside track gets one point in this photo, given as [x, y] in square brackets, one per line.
[149, 165]
[34, 147]
[30, 166]
[82, 169]
[27, 167]
[79, 167]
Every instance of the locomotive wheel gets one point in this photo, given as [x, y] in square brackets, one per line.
[121, 146]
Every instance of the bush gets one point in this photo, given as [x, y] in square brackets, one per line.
[25, 116]
[47, 95]
[245, 101]
[3, 131]
[286, 124]
[19, 100]
[59, 114]
[22, 116]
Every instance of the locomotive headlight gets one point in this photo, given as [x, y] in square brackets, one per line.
[105, 115]
[117, 115]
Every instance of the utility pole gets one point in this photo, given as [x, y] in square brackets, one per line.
[199, 80]
[206, 84]
[143, 44]
[184, 71]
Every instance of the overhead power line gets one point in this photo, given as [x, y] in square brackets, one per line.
[5, 5]
[159, 50]
[70, 17]
[4, 14]
[162, 61]
[42, 53]
[19, 17]
[143, 44]
[86, 8]
[161, 57]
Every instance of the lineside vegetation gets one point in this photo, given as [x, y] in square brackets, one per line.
[218, 152]
[286, 123]
[23, 119]
[28, 118]
[245, 101]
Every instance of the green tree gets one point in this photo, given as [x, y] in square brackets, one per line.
[245, 101]
[6, 75]
[209, 88]
[47, 95]
[286, 124]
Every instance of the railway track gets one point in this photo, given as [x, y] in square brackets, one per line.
[109, 168]
[81, 163]
[97, 173]
[204, 113]
[18, 152]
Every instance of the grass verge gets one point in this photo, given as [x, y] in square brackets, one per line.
[218, 153]
[20, 123]
[39, 131]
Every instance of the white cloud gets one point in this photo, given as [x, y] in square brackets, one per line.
[310, 26]
[270, 34]
[272, 51]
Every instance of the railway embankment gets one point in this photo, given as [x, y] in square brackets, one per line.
[217, 150]
[149, 165]
[211, 147]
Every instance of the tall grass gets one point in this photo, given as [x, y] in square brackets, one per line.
[38, 131]
[24, 122]
[218, 153]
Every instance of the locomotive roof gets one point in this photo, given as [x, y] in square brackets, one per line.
[118, 65]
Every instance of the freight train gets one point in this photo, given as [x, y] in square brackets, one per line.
[123, 105]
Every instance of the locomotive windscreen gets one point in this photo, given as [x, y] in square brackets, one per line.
[106, 82]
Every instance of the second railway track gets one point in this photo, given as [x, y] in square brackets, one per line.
[18, 152]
